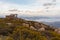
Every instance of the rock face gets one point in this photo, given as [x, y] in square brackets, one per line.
[57, 30]
[37, 26]
[25, 24]
[31, 27]
[12, 16]
[41, 29]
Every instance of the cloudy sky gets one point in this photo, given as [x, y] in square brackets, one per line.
[31, 7]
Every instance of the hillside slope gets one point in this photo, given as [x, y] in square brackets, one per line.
[20, 29]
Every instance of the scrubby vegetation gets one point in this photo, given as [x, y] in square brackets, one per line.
[13, 29]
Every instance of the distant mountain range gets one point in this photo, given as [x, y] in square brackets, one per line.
[37, 17]
[56, 24]
[53, 21]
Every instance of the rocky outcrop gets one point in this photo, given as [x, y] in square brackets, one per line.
[57, 30]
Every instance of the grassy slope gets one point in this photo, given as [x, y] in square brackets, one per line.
[15, 32]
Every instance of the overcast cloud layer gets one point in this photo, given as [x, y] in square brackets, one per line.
[30, 7]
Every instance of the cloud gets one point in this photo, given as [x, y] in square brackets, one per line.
[35, 9]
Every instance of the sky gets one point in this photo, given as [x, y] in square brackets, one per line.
[30, 7]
